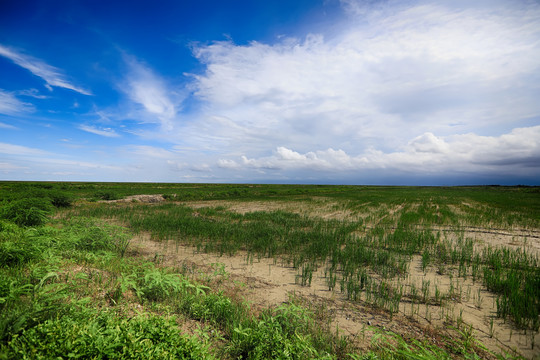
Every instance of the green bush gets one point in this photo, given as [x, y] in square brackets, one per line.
[169, 196]
[93, 335]
[157, 285]
[27, 212]
[94, 238]
[60, 199]
[106, 195]
[17, 246]
[279, 334]
[14, 252]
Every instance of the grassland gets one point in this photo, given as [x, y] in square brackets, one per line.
[115, 270]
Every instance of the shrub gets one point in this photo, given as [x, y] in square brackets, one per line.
[105, 336]
[157, 285]
[279, 334]
[90, 237]
[60, 199]
[106, 195]
[27, 212]
[20, 246]
[169, 196]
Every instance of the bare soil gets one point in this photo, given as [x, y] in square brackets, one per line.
[139, 198]
[267, 282]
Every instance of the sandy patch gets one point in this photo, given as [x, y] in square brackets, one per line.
[267, 282]
[151, 199]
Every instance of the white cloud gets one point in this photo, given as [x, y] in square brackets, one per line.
[382, 79]
[10, 105]
[227, 164]
[107, 132]
[32, 93]
[146, 88]
[412, 87]
[7, 126]
[517, 151]
[50, 74]
[152, 152]
[428, 143]
[6, 167]
[201, 168]
[10, 149]
[387, 90]
[38, 164]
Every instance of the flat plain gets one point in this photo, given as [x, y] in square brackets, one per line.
[359, 271]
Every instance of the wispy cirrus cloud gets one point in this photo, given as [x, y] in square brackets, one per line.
[9, 104]
[47, 165]
[7, 126]
[6, 167]
[34, 93]
[149, 152]
[150, 91]
[107, 132]
[11, 149]
[50, 74]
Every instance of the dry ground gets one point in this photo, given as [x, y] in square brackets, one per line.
[266, 282]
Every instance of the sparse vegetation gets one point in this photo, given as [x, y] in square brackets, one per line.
[70, 287]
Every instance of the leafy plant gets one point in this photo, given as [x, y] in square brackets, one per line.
[155, 284]
[60, 199]
[103, 335]
[106, 195]
[27, 212]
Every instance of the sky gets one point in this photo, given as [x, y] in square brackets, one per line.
[407, 92]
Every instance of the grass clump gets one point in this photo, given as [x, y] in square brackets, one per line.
[282, 333]
[60, 199]
[91, 334]
[27, 212]
[106, 195]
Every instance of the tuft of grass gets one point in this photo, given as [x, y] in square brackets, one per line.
[93, 334]
[27, 211]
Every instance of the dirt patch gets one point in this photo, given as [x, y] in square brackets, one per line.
[267, 282]
[140, 198]
[321, 208]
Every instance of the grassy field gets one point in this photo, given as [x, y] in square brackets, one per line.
[116, 270]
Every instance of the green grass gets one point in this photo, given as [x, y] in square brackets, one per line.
[384, 249]
[68, 286]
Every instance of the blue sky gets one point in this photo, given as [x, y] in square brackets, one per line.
[347, 92]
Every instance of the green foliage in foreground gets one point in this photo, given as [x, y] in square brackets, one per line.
[46, 315]
[90, 334]
[27, 211]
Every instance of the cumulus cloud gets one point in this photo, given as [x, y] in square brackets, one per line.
[518, 151]
[381, 79]
[428, 143]
[228, 164]
[50, 74]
